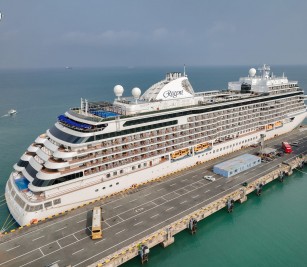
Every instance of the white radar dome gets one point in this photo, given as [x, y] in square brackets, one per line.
[252, 72]
[118, 90]
[136, 92]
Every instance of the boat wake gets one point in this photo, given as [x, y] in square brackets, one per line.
[5, 115]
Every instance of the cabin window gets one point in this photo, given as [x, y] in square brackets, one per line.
[57, 201]
[48, 204]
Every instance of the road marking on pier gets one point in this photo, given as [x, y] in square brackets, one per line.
[138, 223]
[75, 237]
[81, 221]
[133, 200]
[184, 179]
[117, 206]
[218, 186]
[38, 238]
[160, 189]
[194, 175]
[120, 231]
[100, 241]
[54, 262]
[59, 244]
[77, 251]
[107, 224]
[41, 251]
[13, 248]
[169, 208]
[207, 191]
[60, 229]
[147, 195]
[172, 184]
[183, 202]
[154, 216]
[120, 218]
[195, 196]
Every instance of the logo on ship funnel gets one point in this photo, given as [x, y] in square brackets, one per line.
[172, 94]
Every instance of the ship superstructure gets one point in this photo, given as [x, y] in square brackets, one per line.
[100, 148]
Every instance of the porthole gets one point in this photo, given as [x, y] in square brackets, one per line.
[104, 187]
[96, 190]
[110, 185]
[117, 183]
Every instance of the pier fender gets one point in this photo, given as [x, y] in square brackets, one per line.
[230, 205]
[281, 176]
[259, 189]
[193, 225]
[143, 252]
[243, 196]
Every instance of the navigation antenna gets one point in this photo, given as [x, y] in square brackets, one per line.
[184, 70]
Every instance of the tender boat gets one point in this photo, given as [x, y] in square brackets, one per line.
[12, 112]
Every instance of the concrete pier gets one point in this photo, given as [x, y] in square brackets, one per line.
[163, 235]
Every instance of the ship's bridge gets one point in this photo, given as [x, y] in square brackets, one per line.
[174, 86]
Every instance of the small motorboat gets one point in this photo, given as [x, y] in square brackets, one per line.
[12, 112]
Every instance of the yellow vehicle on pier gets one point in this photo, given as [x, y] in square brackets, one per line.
[96, 223]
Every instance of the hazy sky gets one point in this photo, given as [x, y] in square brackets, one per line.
[57, 33]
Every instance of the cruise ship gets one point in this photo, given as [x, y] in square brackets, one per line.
[101, 148]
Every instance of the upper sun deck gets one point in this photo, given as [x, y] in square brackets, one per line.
[176, 92]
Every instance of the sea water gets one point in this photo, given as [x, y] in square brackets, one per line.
[270, 230]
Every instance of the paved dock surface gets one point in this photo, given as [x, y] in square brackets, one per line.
[66, 240]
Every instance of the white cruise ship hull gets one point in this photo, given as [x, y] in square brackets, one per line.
[80, 196]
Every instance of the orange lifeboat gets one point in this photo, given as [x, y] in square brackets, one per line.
[269, 127]
[201, 147]
[180, 154]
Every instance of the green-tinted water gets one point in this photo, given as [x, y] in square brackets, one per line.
[265, 231]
